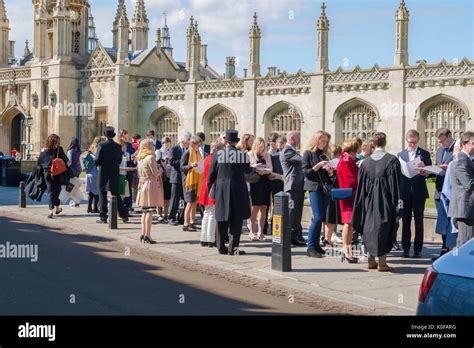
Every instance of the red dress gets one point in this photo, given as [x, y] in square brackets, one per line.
[347, 172]
[204, 199]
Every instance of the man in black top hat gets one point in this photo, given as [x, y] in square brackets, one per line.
[108, 160]
[227, 174]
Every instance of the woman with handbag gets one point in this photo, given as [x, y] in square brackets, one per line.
[318, 183]
[209, 223]
[54, 161]
[261, 190]
[150, 187]
[92, 176]
[347, 172]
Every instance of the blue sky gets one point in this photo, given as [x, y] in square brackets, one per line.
[361, 31]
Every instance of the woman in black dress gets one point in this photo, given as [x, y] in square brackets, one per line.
[260, 191]
[52, 149]
[333, 212]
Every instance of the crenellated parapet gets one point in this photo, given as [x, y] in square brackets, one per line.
[221, 88]
[441, 74]
[284, 84]
[358, 79]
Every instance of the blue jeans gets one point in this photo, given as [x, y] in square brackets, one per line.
[319, 203]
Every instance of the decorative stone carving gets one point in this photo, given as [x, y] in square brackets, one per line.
[358, 75]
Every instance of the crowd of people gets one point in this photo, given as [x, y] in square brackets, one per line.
[235, 179]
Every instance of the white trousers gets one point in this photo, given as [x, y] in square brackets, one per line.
[209, 225]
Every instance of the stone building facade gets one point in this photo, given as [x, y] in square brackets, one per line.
[137, 86]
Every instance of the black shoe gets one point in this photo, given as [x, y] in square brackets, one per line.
[328, 243]
[444, 251]
[224, 251]
[237, 252]
[406, 255]
[101, 221]
[149, 240]
[125, 220]
[89, 211]
[188, 228]
[297, 244]
[302, 240]
[417, 255]
[211, 245]
[59, 211]
[204, 244]
[320, 250]
[313, 253]
[142, 238]
[50, 216]
[396, 246]
[96, 211]
[345, 258]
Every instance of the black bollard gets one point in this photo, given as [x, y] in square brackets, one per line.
[281, 234]
[22, 197]
[113, 213]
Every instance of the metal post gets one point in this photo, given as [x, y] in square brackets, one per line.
[281, 234]
[113, 213]
[22, 197]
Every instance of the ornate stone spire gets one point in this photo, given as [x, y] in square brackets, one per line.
[4, 35]
[322, 28]
[195, 68]
[122, 31]
[323, 22]
[62, 47]
[139, 27]
[120, 5]
[3, 11]
[401, 36]
[189, 34]
[26, 51]
[140, 12]
[254, 36]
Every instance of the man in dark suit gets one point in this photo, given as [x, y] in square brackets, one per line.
[414, 195]
[444, 156]
[108, 160]
[227, 173]
[291, 162]
[461, 207]
[176, 180]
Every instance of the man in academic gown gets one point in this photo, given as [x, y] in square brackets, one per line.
[378, 204]
[227, 173]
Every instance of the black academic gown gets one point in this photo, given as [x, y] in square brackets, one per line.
[377, 207]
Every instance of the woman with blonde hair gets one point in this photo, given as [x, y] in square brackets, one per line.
[260, 191]
[150, 187]
[192, 181]
[318, 183]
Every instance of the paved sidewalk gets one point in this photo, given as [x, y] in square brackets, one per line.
[385, 293]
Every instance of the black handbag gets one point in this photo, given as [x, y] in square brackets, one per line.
[327, 187]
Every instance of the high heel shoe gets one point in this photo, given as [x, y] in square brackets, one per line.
[142, 238]
[50, 215]
[149, 240]
[252, 237]
[352, 260]
[328, 243]
[59, 211]
[89, 211]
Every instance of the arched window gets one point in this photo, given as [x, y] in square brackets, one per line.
[446, 114]
[217, 120]
[166, 125]
[282, 118]
[359, 121]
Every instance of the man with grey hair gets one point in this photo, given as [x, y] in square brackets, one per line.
[293, 177]
[175, 177]
[461, 208]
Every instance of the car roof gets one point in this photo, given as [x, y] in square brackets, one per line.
[459, 262]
